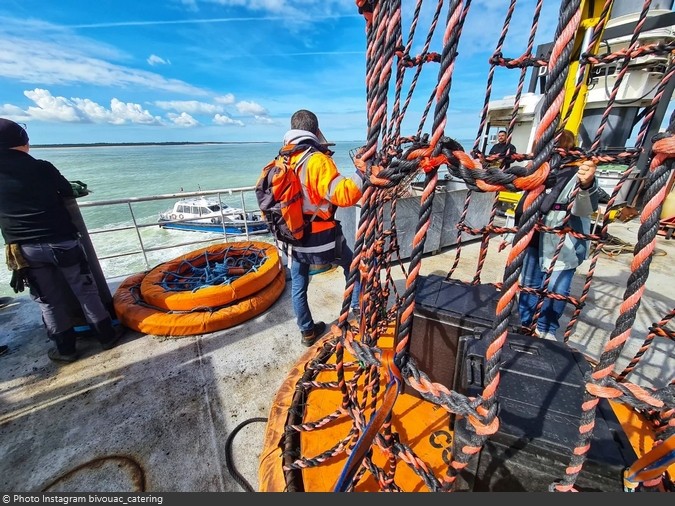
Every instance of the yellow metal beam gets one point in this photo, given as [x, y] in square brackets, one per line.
[591, 12]
[590, 18]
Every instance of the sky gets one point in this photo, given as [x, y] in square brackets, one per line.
[227, 70]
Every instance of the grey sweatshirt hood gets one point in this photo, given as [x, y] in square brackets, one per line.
[294, 136]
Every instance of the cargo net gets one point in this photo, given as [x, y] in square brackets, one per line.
[221, 268]
[368, 392]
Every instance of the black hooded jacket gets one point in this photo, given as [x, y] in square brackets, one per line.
[32, 208]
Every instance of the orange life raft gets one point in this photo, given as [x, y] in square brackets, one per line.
[307, 428]
[217, 307]
[423, 423]
[255, 280]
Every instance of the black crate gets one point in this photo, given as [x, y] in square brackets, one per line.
[540, 394]
[444, 311]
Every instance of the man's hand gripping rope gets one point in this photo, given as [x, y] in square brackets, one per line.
[366, 168]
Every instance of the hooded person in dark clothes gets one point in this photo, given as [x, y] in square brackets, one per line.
[43, 246]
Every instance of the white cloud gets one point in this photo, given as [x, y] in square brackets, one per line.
[190, 4]
[225, 99]
[83, 110]
[251, 108]
[93, 111]
[49, 63]
[183, 119]
[132, 113]
[223, 119]
[51, 108]
[265, 120]
[153, 59]
[291, 12]
[289, 9]
[189, 106]
[16, 113]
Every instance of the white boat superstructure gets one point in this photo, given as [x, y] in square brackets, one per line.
[644, 73]
[210, 214]
[637, 86]
[204, 210]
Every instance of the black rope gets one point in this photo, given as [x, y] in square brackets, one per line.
[228, 454]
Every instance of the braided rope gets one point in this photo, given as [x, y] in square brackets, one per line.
[658, 330]
[655, 190]
[376, 251]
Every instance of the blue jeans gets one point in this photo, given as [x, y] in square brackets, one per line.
[533, 277]
[300, 282]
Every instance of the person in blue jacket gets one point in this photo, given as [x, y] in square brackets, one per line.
[539, 254]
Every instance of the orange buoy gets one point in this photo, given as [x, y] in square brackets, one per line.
[310, 435]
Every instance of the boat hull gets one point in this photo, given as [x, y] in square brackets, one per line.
[253, 228]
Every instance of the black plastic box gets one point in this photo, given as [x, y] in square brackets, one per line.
[540, 394]
[445, 311]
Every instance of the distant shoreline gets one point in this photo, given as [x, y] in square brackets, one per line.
[111, 144]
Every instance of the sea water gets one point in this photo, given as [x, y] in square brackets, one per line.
[120, 172]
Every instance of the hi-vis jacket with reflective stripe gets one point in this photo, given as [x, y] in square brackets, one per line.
[324, 189]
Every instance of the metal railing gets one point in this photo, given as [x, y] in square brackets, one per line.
[139, 222]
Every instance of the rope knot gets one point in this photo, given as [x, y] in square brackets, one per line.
[664, 144]
[366, 8]
[496, 58]
[483, 429]
[429, 163]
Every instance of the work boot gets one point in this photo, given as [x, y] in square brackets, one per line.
[65, 346]
[309, 337]
[108, 334]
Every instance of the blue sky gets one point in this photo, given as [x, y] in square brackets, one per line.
[224, 70]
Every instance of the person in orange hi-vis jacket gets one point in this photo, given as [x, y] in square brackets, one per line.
[324, 189]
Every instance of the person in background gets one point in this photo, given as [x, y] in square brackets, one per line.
[502, 150]
[540, 252]
[324, 189]
[43, 246]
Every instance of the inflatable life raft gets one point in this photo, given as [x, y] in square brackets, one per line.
[311, 437]
[311, 458]
[206, 290]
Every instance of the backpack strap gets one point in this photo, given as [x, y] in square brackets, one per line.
[304, 157]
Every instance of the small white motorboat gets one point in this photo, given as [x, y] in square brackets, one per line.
[207, 214]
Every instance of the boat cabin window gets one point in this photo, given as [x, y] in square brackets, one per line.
[198, 210]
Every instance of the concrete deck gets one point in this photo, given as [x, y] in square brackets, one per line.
[154, 414]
